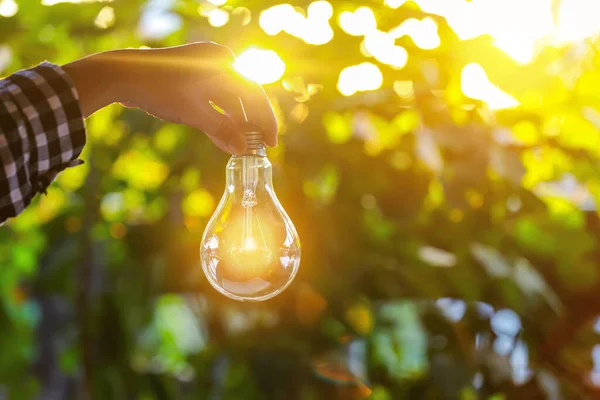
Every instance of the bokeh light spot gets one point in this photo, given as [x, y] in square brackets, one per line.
[8, 8]
[313, 29]
[320, 10]
[244, 14]
[357, 78]
[424, 33]
[272, 20]
[118, 230]
[359, 22]
[381, 46]
[199, 203]
[73, 224]
[218, 17]
[404, 89]
[105, 18]
[476, 85]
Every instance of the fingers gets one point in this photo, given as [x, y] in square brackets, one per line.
[227, 93]
[259, 112]
[229, 103]
[222, 130]
[203, 72]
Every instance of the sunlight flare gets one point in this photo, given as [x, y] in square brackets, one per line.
[261, 66]
[519, 28]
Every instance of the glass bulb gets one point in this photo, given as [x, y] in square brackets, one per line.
[250, 250]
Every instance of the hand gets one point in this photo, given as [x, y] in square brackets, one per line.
[178, 84]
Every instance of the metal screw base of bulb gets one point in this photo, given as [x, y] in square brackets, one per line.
[255, 146]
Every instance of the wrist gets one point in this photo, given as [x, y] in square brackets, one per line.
[94, 81]
[131, 75]
[109, 77]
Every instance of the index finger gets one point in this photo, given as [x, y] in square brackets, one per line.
[258, 109]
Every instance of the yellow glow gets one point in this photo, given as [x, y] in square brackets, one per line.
[8, 8]
[577, 20]
[359, 22]
[140, 170]
[394, 3]
[198, 203]
[217, 2]
[515, 25]
[476, 85]
[313, 29]
[424, 33]
[359, 78]
[519, 28]
[218, 17]
[249, 244]
[105, 18]
[262, 66]
[51, 204]
[248, 254]
[360, 317]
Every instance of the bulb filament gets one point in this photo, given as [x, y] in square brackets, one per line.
[251, 240]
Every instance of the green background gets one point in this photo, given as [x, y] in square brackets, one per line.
[449, 251]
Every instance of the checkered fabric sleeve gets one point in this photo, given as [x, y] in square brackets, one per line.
[41, 133]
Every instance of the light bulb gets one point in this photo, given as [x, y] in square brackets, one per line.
[250, 250]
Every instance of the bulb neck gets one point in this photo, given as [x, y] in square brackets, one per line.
[255, 145]
[244, 171]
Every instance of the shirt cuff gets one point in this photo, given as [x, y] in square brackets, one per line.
[49, 102]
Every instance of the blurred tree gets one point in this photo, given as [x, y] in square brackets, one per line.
[442, 175]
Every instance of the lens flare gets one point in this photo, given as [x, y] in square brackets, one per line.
[261, 66]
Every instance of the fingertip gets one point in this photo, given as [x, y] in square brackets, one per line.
[271, 140]
[237, 143]
[269, 131]
[271, 134]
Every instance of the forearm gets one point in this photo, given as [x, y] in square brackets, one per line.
[99, 80]
[128, 76]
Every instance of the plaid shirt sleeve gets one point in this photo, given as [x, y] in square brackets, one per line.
[41, 133]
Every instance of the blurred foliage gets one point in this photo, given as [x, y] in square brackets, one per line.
[449, 244]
